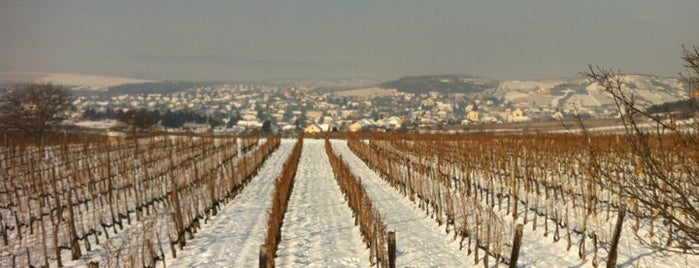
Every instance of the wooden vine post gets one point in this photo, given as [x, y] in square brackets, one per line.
[611, 261]
[516, 244]
[263, 256]
[392, 249]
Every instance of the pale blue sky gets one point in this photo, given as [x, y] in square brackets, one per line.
[230, 40]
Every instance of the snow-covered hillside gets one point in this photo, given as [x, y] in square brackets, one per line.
[75, 81]
[318, 229]
[578, 93]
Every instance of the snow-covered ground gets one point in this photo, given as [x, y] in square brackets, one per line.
[233, 237]
[318, 228]
[103, 124]
[420, 242]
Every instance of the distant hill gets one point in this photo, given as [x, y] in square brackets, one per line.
[91, 84]
[323, 85]
[562, 93]
[155, 87]
[442, 84]
[19, 77]
[74, 81]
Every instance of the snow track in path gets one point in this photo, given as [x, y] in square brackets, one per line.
[233, 237]
[420, 242]
[318, 229]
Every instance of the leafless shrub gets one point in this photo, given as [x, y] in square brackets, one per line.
[663, 183]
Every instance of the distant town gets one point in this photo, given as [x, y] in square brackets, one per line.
[453, 103]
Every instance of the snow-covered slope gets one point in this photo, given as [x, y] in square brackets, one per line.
[420, 242]
[76, 81]
[233, 237]
[318, 228]
[584, 93]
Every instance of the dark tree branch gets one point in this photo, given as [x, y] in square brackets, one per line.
[34, 108]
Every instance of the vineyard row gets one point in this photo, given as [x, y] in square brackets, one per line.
[155, 189]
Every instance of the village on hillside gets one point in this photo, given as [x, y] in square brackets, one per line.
[294, 109]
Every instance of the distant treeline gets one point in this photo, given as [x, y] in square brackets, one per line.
[684, 108]
[155, 87]
[443, 84]
[143, 118]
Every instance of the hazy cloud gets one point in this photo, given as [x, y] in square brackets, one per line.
[224, 40]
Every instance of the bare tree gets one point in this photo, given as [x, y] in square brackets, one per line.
[34, 108]
[664, 183]
[140, 119]
[691, 60]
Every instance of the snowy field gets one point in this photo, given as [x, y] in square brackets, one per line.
[319, 229]
[233, 237]
[420, 241]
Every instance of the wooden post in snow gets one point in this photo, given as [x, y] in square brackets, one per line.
[516, 244]
[392, 249]
[611, 261]
[263, 256]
